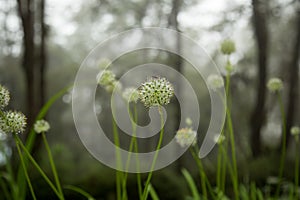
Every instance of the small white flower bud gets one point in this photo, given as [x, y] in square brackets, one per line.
[215, 82]
[275, 85]
[186, 137]
[41, 126]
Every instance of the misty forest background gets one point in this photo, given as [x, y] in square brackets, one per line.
[44, 42]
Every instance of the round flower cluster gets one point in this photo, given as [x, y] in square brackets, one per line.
[4, 97]
[186, 137]
[107, 79]
[215, 81]
[295, 131]
[131, 95]
[275, 85]
[41, 126]
[227, 47]
[12, 122]
[156, 91]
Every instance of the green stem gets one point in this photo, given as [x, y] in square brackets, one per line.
[224, 164]
[38, 168]
[283, 147]
[24, 167]
[118, 172]
[54, 171]
[4, 189]
[232, 141]
[201, 173]
[297, 168]
[145, 192]
[132, 143]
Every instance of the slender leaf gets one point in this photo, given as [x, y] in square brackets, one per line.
[191, 184]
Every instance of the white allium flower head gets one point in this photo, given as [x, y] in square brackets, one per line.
[41, 126]
[131, 95]
[106, 78]
[156, 91]
[219, 139]
[215, 81]
[186, 137]
[4, 97]
[13, 122]
[275, 85]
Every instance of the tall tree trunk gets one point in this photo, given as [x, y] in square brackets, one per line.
[261, 34]
[294, 80]
[43, 58]
[25, 9]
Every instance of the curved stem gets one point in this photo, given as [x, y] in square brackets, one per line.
[24, 167]
[54, 171]
[145, 192]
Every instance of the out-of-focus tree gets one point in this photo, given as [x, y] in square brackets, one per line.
[293, 90]
[26, 13]
[32, 16]
[260, 9]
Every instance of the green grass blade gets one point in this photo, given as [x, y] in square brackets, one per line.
[153, 193]
[259, 194]
[79, 191]
[191, 184]
[31, 139]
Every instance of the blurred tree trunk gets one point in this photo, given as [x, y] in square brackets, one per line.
[26, 13]
[43, 58]
[261, 34]
[177, 63]
[293, 89]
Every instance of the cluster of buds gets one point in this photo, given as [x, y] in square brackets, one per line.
[186, 137]
[275, 85]
[227, 47]
[41, 126]
[156, 92]
[295, 131]
[10, 121]
[215, 82]
[107, 79]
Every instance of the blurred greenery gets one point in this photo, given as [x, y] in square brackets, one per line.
[73, 28]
